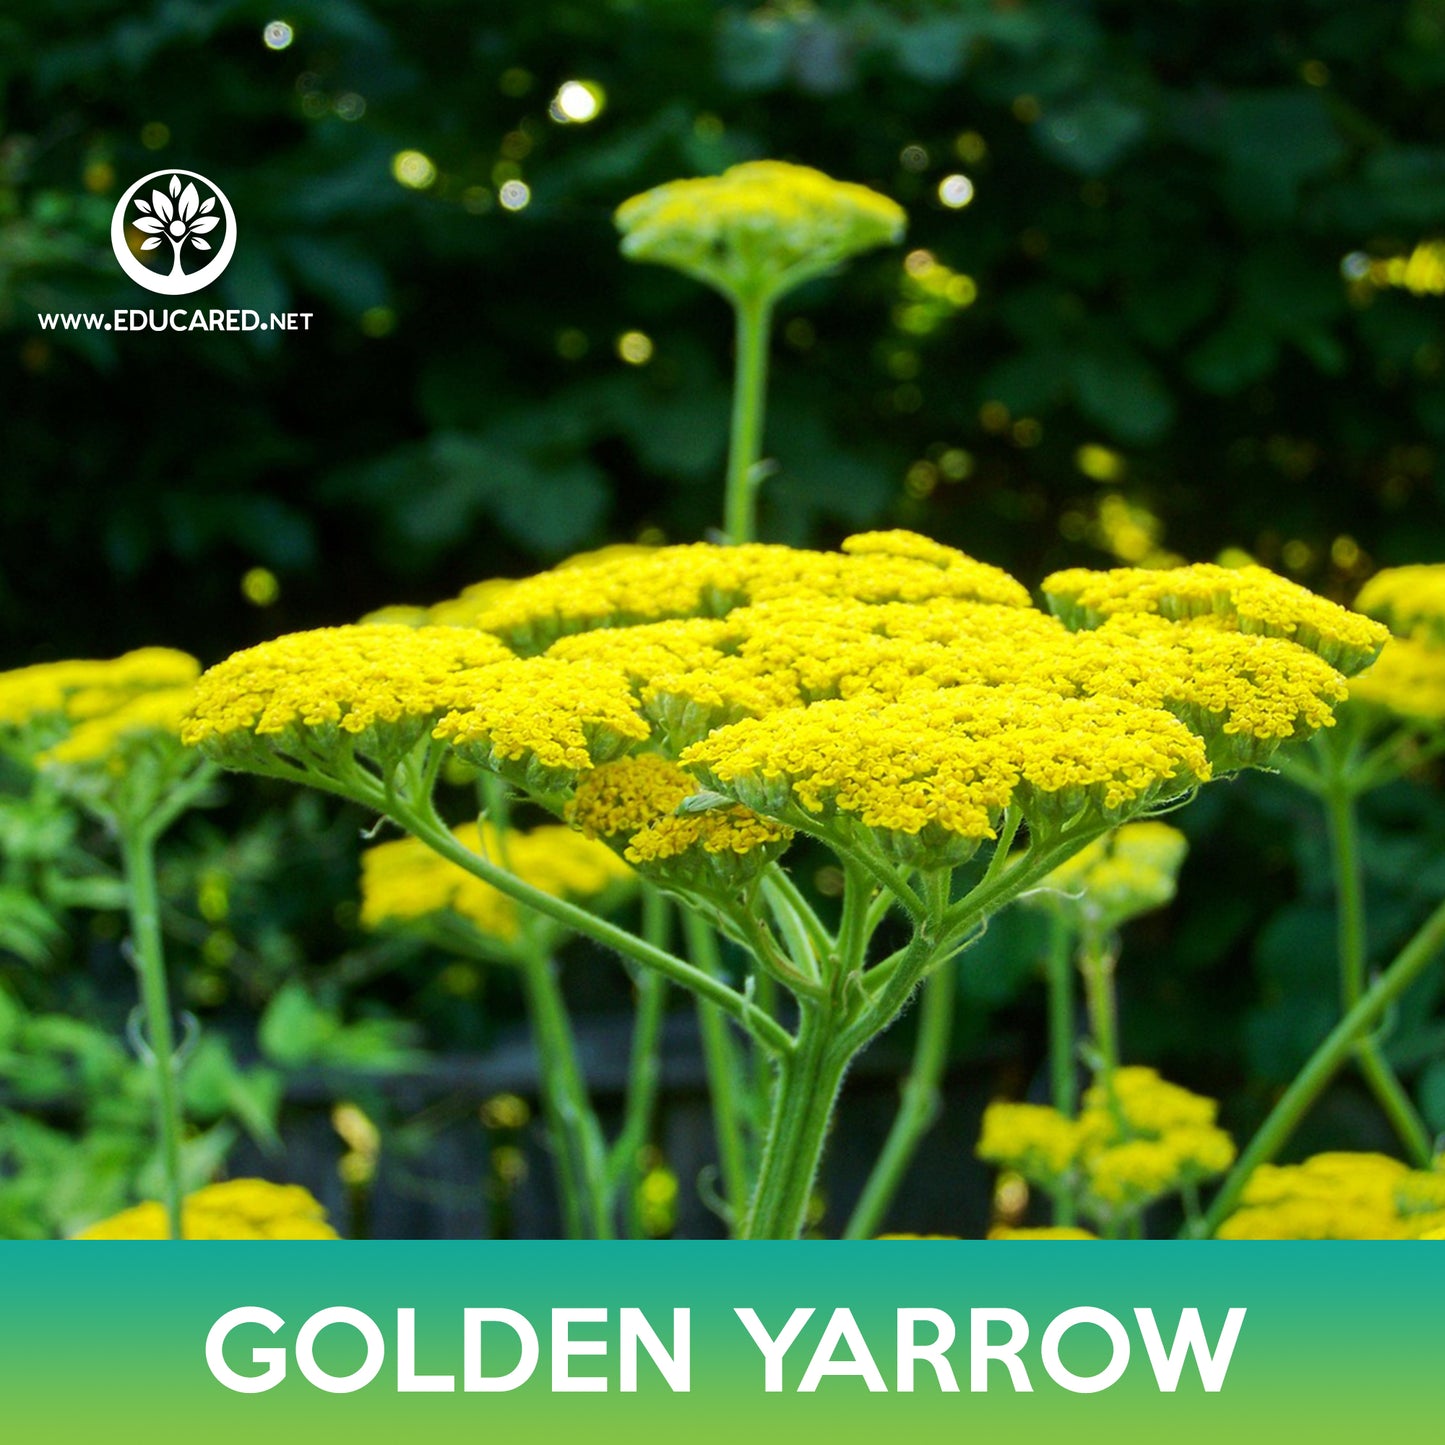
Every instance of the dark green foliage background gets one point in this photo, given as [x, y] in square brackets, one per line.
[1157, 237]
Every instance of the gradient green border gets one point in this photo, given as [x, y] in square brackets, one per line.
[105, 1342]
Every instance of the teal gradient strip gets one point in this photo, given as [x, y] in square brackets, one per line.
[105, 1341]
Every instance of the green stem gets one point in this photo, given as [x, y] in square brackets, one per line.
[920, 1105]
[1326, 1061]
[421, 820]
[720, 1058]
[809, 1081]
[1339, 800]
[643, 1068]
[577, 1139]
[750, 378]
[1096, 962]
[137, 847]
[1062, 1027]
[1063, 1078]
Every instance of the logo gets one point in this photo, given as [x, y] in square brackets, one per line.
[177, 217]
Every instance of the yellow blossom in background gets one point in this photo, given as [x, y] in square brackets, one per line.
[1147, 1103]
[1048, 1231]
[1137, 1139]
[1130, 871]
[404, 881]
[1339, 1196]
[1034, 1139]
[237, 1209]
[104, 739]
[1409, 600]
[79, 690]
[1407, 680]
[760, 228]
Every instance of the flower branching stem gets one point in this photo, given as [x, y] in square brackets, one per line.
[1340, 807]
[1326, 1061]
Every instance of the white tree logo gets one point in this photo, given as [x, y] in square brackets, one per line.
[169, 208]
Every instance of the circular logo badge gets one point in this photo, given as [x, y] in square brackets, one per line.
[179, 221]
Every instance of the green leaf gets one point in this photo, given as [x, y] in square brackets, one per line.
[295, 1029]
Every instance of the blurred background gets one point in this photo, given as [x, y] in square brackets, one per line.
[1172, 287]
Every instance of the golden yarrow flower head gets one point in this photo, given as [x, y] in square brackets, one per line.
[1137, 1139]
[1410, 601]
[236, 1209]
[1040, 1232]
[45, 701]
[108, 733]
[1408, 681]
[1131, 871]
[673, 831]
[1251, 600]
[404, 882]
[1339, 1195]
[309, 698]
[759, 229]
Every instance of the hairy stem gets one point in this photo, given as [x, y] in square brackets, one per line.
[920, 1103]
[808, 1084]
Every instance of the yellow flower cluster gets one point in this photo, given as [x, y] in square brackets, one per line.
[237, 1209]
[1410, 601]
[760, 227]
[364, 682]
[1048, 1231]
[1130, 871]
[1409, 678]
[929, 775]
[77, 690]
[639, 804]
[107, 738]
[1249, 599]
[544, 721]
[1136, 1139]
[896, 694]
[1038, 1141]
[1340, 1196]
[404, 880]
[703, 580]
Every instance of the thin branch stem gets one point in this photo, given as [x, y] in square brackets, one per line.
[723, 1073]
[420, 819]
[1340, 808]
[921, 1101]
[137, 846]
[643, 1068]
[1326, 1061]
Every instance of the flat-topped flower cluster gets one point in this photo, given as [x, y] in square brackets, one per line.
[897, 696]
[1408, 681]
